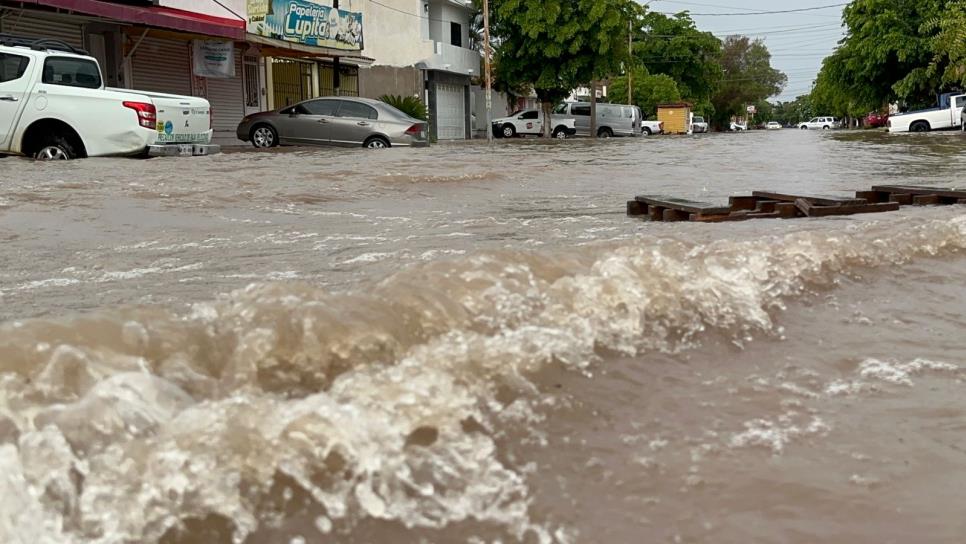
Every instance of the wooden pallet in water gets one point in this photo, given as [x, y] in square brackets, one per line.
[771, 205]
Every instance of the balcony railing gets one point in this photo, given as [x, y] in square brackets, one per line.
[458, 60]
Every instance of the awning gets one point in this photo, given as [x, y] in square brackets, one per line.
[281, 48]
[153, 16]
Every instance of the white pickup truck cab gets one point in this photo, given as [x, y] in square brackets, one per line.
[948, 115]
[53, 105]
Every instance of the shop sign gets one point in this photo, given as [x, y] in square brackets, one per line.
[305, 22]
[214, 58]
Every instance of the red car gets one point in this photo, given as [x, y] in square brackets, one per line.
[876, 120]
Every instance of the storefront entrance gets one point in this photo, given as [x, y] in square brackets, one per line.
[291, 81]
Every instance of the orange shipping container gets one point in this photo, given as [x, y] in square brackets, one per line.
[676, 117]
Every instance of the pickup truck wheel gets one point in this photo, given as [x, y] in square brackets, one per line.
[919, 126]
[264, 136]
[560, 133]
[605, 133]
[509, 131]
[804, 127]
[647, 131]
[56, 148]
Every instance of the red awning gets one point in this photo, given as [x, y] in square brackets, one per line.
[168, 18]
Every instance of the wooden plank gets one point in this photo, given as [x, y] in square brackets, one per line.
[901, 198]
[720, 218]
[925, 200]
[636, 208]
[825, 211]
[671, 215]
[920, 190]
[804, 206]
[656, 213]
[872, 196]
[766, 206]
[684, 205]
[737, 203]
[812, 199]
[786, 210]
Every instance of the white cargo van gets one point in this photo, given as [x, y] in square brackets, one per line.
[612, 119]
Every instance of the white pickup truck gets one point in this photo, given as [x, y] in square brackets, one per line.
[530, 122]
[946, 116]
[652, 127]
[53, 105]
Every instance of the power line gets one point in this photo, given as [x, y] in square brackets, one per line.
[776, 12]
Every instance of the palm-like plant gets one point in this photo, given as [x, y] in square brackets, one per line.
[410, 105]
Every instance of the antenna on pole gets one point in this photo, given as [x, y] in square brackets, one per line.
[486, 62]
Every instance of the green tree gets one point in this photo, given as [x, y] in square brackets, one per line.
[949, 44]
[648, 90]
[674, 46]
[890, 53]
[556, 45]
[748, 77]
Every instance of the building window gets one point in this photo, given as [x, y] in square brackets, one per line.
[456, 34]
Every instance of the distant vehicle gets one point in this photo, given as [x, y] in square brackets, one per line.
[737, 127]
[876, 119]
[823, 123]
[54, 106]
[339, 121]
[652, 127]
[612, 119]
[530, 122]
[699, 125]
[947, 115]
[773, 125]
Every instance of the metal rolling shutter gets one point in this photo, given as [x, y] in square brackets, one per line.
[162, 66]
[227, 97]
[30, 26]
[450, 112]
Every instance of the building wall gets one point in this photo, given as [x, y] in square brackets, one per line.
[376, 81]
[442, 13]
[228, 9]
[396, 38]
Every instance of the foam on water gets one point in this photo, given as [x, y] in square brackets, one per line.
[284, 400]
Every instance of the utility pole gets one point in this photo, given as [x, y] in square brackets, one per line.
[486, 62]
[336, 64]
[630, 56]
[593, 108]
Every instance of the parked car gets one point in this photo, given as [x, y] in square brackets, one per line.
[612, 119]
[530, 122]
[699, 125]
[824, 123]
[737, 127]
[54, 106]
[876, 119]
[652, 127]
[338, 121]
[773, 125]
[947, 115]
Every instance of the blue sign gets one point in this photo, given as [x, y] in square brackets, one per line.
[305, 22]
[168, 127]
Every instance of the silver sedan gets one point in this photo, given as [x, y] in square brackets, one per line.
[340, 121]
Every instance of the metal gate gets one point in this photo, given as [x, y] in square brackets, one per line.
[291, 81]
[27, 24]
[227, 98]
[348, 80]
[450, 112]
[162, 66]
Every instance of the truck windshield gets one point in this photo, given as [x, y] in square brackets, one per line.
[72, 72]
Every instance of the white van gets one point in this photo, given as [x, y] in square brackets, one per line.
[612, 119]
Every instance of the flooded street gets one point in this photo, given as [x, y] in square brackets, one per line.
[474, 344]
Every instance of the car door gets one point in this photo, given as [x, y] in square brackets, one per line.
[354, 123]
[308, 122]
[529, 122]
[958, 105]
[15, 78]
[581, 115]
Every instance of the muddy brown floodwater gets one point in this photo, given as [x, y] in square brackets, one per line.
[473, 344]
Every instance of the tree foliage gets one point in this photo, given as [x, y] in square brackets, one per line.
[903, 50]
[748, 77]
[674, 46]
[648, 90]
[556, 45]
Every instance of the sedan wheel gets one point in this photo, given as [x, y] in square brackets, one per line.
[263, 137]
[377, 143]
[52, 153]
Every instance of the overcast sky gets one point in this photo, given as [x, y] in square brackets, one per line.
[798, 41]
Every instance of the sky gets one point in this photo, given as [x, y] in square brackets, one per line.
[797, 41]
